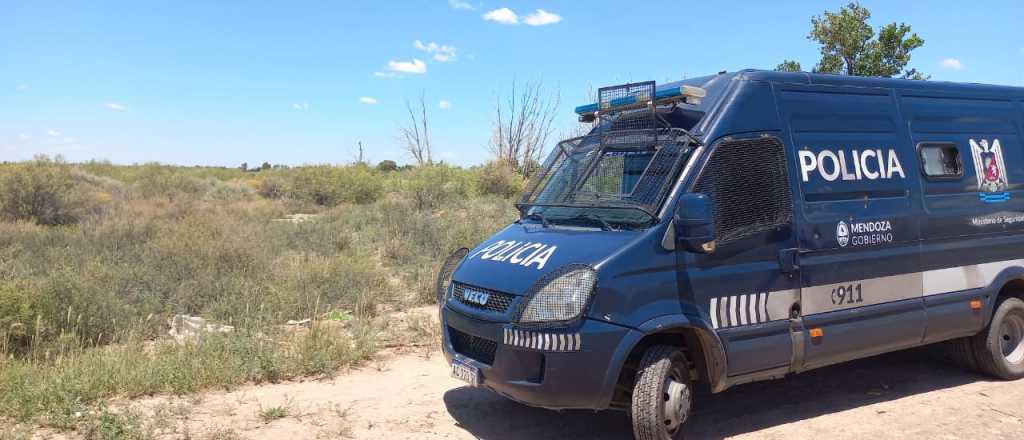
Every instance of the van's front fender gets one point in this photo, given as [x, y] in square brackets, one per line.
[714, 352]
[715, 360]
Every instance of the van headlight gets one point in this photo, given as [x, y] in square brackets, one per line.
[563, 298]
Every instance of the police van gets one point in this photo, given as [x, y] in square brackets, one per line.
[745, 226]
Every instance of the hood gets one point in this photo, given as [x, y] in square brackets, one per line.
[515, 258]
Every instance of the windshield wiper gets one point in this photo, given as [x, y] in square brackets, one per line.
[605, 226]
[536, 216]
[649, 215]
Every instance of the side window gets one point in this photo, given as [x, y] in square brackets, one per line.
[941, 161]
[749, 184]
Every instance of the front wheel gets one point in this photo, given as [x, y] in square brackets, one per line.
[999, 349]
[662, 394]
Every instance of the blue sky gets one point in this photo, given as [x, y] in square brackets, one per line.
[221, 83]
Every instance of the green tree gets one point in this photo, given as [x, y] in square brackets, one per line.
[789, 66]
[387, 165]
[849, 45]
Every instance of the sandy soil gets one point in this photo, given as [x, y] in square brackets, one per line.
[410, 396]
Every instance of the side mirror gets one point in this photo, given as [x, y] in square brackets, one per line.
[695, 223]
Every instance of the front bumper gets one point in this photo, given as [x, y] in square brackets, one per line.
[558, 368]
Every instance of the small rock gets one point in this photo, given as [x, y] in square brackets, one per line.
[185, 326]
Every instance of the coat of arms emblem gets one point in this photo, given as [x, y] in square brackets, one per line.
[990, 170]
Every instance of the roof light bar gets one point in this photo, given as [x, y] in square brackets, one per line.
[688, 94]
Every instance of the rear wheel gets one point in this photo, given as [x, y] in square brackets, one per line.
[662, 395]
[999, 350]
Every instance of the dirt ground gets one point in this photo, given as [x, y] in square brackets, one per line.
[410, 396]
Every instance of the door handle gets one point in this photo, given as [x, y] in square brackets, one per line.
[789, 261]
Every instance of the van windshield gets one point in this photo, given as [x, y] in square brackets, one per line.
[616, 178]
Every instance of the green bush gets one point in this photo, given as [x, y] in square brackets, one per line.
[501, 180]
[42, 191]
[434, 186]
[330, 186]
[21, 311]
[387, 165]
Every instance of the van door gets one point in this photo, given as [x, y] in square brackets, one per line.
[746, 293]
[973, 160]
[858, 223]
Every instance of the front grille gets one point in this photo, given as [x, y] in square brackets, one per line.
[475, 347]
[497, 302]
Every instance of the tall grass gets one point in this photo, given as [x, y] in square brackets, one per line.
[90, 275]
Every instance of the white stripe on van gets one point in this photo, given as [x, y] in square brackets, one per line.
[713, 311]
[743, 309]
[859, 293]
[732, 311]
[752, 309]
[740, 310]
[974, 276]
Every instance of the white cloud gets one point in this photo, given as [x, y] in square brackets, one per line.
[951, 63]
[300, 106]
[115, 106]
[385, 74]
[503, 16]
[444, 105]
[541, 17]
[415, 66]
[461, 4]
[368, 100]
[24, 136]
[69, 140]
[52, 132]
[441, 52]
[25, 86]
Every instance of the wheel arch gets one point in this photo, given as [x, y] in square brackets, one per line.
[1008, 284]
[702, 346]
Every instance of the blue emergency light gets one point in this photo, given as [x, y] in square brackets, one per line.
[689, 94]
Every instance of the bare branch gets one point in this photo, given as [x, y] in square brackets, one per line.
[415, 134]
[522, 126]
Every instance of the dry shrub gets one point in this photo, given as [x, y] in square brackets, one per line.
[272, 186]
[500, 179]
[434, 186]
[328, 185]
[153, 241]
[44, 191]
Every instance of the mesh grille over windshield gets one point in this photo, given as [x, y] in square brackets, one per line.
[620, 168]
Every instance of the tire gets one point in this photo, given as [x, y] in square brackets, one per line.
[999, 349]
[662, 388]
[444, 275]
[961, 352]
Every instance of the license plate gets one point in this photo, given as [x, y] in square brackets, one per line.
[466, 372]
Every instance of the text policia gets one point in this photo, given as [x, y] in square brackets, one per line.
[855, 165]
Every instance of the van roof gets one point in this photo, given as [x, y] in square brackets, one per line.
[847, 80]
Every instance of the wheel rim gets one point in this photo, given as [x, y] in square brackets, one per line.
[1011, 338]
[677, 401]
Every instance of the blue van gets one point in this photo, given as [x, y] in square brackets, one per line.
[745, 226]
